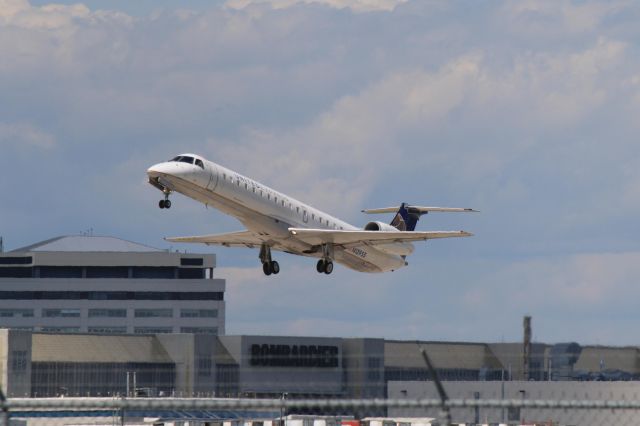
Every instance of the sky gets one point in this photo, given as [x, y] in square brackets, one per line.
[524, 110]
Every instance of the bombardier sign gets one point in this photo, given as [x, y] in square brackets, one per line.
[294, 356]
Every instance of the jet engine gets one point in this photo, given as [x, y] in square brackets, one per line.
[379, 226]
[399, 249]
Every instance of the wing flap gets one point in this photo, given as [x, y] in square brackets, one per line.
[231, 239]
[341, 237]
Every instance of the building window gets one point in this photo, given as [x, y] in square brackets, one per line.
[152, 330]
[191, 261]
[11, 313]
[106, 329]
[109, 313]
[13, 272]
[61, 313]
[153, 313]
[199, 330]
[61, 329]
[111, 295]
[191, 273]
[19, 361]
[162, 272]
[60, 272]
[107, 272]
[204, 367]
[16, 260]
[198, 313]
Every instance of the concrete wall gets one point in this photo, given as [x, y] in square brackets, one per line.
[15, 363]
[590, 391]
[130, 322]
[276, 379]
[363, 363]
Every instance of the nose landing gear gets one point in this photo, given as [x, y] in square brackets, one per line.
[166, 203]
[269, 266]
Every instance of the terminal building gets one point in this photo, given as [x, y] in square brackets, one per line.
[106, 285]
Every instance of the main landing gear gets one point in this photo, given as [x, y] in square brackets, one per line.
[269, 266]
[326, 264]
[166, 203]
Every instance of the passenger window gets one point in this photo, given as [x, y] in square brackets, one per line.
[305, 218]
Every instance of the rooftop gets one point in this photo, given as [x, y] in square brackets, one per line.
[86, 243]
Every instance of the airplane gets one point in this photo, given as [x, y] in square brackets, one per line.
[276, 221]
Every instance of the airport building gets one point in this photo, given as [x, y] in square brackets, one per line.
[106, 285]
[101, 316]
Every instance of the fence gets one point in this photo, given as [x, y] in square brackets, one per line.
[254, 412]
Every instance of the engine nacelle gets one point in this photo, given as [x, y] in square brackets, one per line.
[399, 249]
[379, 226]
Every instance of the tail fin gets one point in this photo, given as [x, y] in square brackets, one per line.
[407, 216]
[405, 220]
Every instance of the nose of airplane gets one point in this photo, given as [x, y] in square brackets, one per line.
[158, 170]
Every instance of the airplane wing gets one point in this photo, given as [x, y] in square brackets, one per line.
[231, 239]
[354, 238]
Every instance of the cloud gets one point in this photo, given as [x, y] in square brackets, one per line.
[355, 5]
[549, 18]
[25, 135]
[525, 110]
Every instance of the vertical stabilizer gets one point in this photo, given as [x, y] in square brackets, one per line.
[404, 220]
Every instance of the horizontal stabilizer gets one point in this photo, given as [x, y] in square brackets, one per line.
[421, 210]
[353, 238]
[231, 239]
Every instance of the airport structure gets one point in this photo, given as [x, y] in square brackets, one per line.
[101, 316]
[106, 285]
[185, 364]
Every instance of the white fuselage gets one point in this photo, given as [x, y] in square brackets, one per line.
[267, 212]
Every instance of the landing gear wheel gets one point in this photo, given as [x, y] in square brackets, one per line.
[266, 268]
[320, 266]
[167, 204]
[161, 204]
[328, 267]
[275, 267]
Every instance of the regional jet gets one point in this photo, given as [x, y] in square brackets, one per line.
[276, 221]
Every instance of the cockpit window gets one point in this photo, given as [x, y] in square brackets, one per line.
[199, 163]
[184, 159]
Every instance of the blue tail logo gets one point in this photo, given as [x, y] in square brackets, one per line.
[404, 220]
